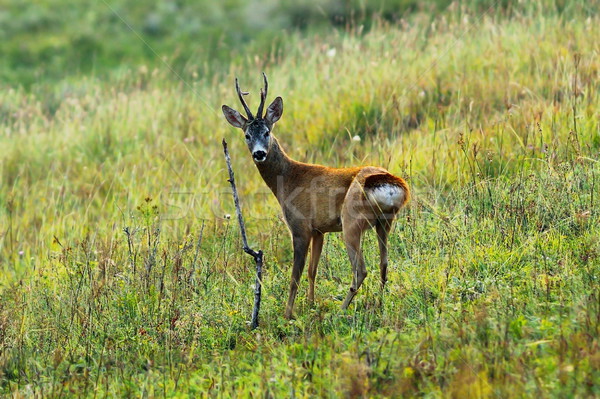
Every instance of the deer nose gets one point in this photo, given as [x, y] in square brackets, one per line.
[259, 156]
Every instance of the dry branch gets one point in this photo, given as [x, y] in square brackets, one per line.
[258, 256]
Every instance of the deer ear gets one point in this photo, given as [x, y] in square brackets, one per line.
[274, 111]
[234, 118]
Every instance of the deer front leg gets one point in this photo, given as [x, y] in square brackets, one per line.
[315, 254]
[352, 238]
[383, 227]
[300, 243]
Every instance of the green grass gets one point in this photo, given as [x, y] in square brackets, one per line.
[493, 284]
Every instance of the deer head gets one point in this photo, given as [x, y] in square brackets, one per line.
[257, 129]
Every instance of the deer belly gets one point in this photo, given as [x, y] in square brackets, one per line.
[304, 217]
[327, 215]
[328, 226]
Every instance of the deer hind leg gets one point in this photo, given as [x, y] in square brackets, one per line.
[353, 231]
[315, 254]
[300, 243]
[383, 227]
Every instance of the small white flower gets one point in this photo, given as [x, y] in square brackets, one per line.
[356, 138]
[331, 52]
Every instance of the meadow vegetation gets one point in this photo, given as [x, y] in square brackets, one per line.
[122, 273]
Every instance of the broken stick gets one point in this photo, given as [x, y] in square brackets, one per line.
[258, 256]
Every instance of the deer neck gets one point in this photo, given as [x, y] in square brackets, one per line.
[276, 168]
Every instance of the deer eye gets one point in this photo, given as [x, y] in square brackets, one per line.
[247, 137]
[267, 134]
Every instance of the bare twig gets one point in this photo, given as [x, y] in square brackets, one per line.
[258, 256]
[151, 260]
[129, 235]
[198, 243]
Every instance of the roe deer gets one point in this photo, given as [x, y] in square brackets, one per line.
[316, 199]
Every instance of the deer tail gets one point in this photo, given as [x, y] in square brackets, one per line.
[386, 191]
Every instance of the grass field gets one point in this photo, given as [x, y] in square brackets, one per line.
[122, 274]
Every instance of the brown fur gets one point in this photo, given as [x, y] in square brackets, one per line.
[316, 199]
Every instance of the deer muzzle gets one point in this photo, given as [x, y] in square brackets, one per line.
[259, 156]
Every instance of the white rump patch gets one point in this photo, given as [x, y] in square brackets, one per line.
[386, 196]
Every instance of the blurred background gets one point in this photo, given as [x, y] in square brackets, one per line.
[53, 39]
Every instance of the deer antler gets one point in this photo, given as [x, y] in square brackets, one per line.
[263, 97]
[241, 95]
